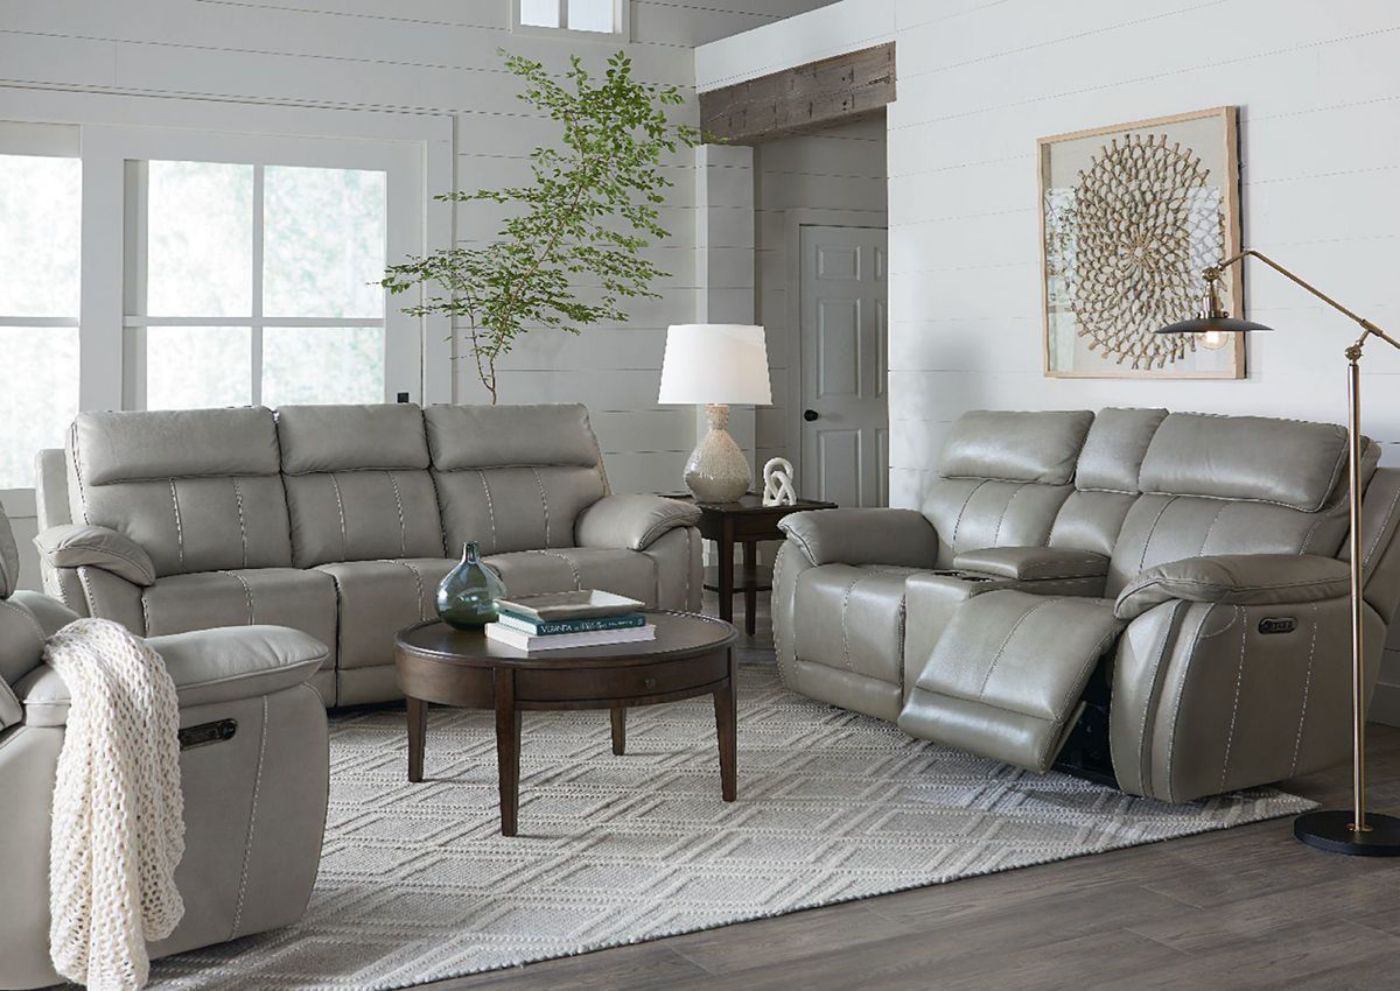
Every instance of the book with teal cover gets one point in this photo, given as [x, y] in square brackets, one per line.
[560, 626]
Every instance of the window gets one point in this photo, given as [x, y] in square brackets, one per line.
[598, 16]
[40, 237]
[254, 284]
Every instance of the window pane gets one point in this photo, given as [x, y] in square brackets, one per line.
[40, 219]
[540, 13]
[196, 367]
[591, 15]
[323, 248]
[40, 397]
[323, 365]
[199, 253]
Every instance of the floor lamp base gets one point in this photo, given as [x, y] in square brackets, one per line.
[1331, 830]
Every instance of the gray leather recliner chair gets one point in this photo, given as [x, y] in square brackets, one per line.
[1166, 594]
[341, 521]
[254, 766]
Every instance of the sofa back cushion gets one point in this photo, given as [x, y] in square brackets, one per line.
[358, 485]
[200, 490]
[1237, 485]
[1003, 478]
[513, 477]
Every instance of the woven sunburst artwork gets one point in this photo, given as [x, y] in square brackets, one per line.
[1131, 217]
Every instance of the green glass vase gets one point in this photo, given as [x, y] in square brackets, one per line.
[466, 598]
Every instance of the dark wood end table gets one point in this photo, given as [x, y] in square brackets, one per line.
[746, 521]
[690, 656]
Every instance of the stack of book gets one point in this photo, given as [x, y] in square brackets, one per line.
[525, 627]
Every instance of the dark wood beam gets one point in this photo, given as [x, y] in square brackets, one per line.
[805, 98]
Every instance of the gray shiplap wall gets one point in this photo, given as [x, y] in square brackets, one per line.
[420, 57]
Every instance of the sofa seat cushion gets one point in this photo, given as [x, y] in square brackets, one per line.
[853, 619]
[376, 599]
[207, 666]
[623, 572]
[1005, 678]
[302, 600]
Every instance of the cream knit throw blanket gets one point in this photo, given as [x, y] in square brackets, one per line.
[118, 813]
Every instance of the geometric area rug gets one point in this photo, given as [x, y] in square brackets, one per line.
[417, 884]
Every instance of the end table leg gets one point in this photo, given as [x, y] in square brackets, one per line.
[507, 749]
[417, 737]
[724, 546]
[727, 731]
[750, 586]
[619, 729]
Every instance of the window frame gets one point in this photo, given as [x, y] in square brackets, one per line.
[622, 24]
[39, 140]
[116, 208]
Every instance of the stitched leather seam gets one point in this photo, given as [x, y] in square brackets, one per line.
[957, 524]
[1235, 707]
[39, 630]
[1312, 531]
[1307, 691]
[1211, 529]
[987, 675]
[242, 523]
[1006, 506]
[247, 594]
[53, 705]
[340, 508]
[418, 578]
[179, 525]
[1144, 744]
[807, 550]
[1176, 710]
[1366, 559]
[1319, 583]
[398, 504]
[1147, 542]
[1085, 670]
[544, 502]
[78, 469]
[578, 579]
[252, 824]
[490, 508]
[845, 629]
[145, 612]
[119, 555]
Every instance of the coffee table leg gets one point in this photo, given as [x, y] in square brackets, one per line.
[727, 731]
[619, 730]
[750, 587]
[507, 749]
[417, 737]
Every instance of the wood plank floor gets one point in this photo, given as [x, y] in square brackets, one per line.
[1244, 908]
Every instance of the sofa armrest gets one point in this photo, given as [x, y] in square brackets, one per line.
[631, 521]
[1033, 563]
[73, 545]
[900, 537]
[1237, 579]
[208, 666]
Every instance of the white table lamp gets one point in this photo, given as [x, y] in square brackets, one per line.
[715, 365]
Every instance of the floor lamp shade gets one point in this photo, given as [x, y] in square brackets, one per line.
[714, 365]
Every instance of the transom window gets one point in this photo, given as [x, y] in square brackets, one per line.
[254, 283]
[598, 16]
[40, 295]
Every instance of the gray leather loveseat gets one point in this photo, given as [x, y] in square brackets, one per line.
[341, 520]
[1165, 594]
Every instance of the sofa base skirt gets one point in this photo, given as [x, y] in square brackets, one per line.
[847, 689]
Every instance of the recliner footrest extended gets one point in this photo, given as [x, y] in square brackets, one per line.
[1006, 677]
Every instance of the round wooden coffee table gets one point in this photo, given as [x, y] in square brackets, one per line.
[690, 656]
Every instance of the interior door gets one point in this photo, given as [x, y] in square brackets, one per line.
[845, 411]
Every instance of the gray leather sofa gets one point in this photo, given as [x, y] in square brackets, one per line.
[254, 767]
[1165, 595]
[341, 520]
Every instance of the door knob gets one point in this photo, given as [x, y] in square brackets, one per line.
[809, 415]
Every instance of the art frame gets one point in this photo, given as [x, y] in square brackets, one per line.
[1094, 325]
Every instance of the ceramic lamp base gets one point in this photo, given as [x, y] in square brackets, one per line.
[717, 470]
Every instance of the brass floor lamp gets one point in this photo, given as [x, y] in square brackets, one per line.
[1335, 830]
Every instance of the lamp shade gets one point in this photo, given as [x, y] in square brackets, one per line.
[715, 363]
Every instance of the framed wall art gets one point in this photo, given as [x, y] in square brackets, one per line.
[1130, 215]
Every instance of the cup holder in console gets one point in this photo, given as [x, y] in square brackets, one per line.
[966, 576]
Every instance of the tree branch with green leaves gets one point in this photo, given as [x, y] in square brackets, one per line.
[586, 216]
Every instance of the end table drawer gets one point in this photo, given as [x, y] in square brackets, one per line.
[619, 684]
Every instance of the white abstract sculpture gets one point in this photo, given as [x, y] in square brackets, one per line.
[778, 487]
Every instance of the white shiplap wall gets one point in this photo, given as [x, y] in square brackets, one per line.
[838, 168]
[1318, 87]
[413, 57]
